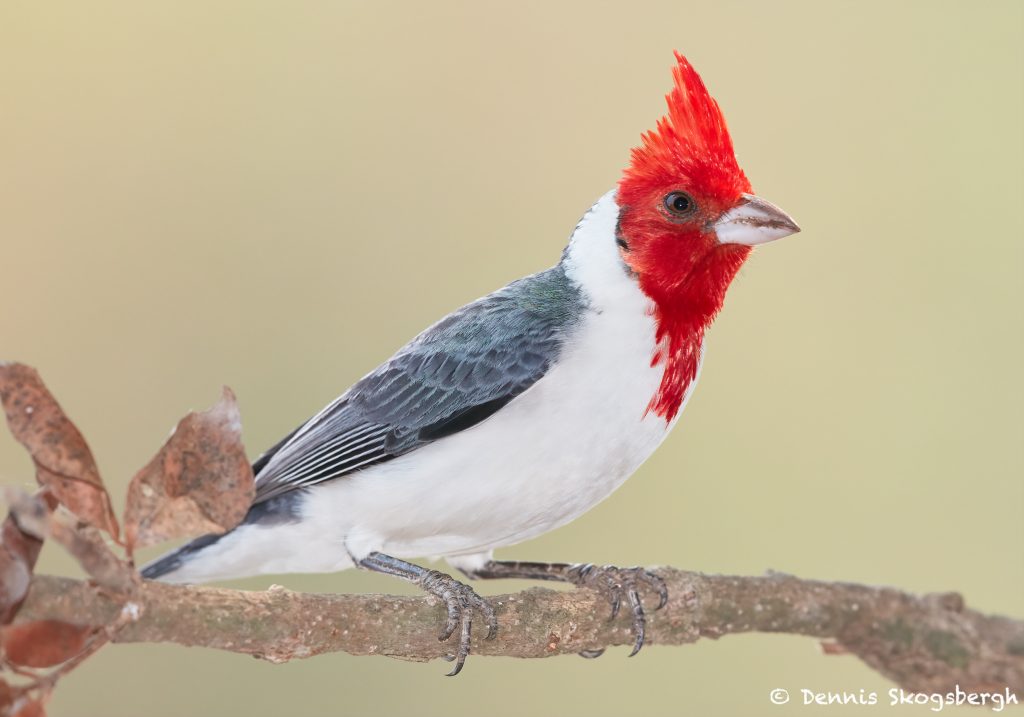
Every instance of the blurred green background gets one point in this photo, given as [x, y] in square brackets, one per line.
[275, 196]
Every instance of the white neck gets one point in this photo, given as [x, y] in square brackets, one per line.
[593, 262]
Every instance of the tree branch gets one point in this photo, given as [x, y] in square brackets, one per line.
[925, 643]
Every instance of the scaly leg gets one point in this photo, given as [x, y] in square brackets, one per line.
[459, 599]
[615, 583]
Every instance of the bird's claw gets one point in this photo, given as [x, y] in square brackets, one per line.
[617, 584]
[460, 601]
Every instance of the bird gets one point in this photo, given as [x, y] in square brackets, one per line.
[519, 412]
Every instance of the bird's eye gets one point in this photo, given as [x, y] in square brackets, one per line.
[680, 204]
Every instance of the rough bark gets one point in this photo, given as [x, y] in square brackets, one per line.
[925, 643]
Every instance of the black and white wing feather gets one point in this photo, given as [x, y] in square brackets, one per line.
[449, 378]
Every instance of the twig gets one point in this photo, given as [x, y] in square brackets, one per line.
[925, 643]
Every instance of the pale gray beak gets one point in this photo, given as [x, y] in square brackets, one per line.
[753, 221]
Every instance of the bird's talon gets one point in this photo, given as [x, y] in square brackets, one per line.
[617, 584]
[638, 644]
[616, 591]
[591, 654]
[639, 620]
[447, 631]
[662, 594]
[460, 601]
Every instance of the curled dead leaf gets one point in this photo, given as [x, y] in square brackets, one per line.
[19, 549]
[18, 702]
[200, 481]
[44, 643]
[64, 463]
[6, 696]
[26, 706]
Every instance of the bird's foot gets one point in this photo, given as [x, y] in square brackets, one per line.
[461, 601]
[617, 584]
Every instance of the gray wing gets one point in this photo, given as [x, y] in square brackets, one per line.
[452, 376]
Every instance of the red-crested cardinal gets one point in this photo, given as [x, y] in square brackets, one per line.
[519, 412]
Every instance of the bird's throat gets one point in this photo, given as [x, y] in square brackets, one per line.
[683, 313]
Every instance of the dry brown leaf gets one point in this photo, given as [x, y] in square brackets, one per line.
[44, 643]
[18, 552]
[200, 481]
[28, 707]
[64, 463]
[7, 694]
[16, 702]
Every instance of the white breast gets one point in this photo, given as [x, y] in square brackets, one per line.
[548, 456]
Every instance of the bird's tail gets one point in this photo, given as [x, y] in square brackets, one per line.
[168, 567]
[269, 539]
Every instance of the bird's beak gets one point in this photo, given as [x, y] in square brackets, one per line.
[753, 221]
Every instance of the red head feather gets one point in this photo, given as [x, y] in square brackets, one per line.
[679, 262]
[691, 143]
